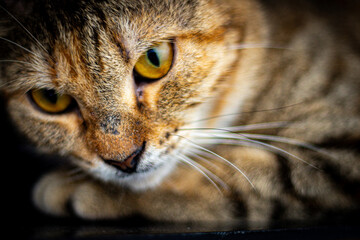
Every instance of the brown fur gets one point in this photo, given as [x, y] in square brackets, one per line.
[303, 70]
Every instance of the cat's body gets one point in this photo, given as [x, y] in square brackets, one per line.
[290, 68]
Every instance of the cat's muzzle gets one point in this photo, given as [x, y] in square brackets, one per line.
[130, 163]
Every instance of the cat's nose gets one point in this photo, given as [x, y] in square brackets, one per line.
[130, 163]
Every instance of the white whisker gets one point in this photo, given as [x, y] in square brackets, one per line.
[191, 163]
[257, 126]
[238, 136]
[286, 140]
[74, 171]
[77, 177]
[236, 142]
[25, 29]
[219, 157]
[245, 112]
[9, 82]
[14, 61]
[202, 158]
[256, 46]
[211, 174]
[75, 174]
[18, 45]
[23, 62]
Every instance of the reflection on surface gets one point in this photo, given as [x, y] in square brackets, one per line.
[139, 228]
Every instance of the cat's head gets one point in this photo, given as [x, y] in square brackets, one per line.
[109, 83]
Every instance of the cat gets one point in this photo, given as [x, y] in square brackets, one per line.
[195, 110]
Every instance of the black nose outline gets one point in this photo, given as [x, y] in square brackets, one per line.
[130, 163]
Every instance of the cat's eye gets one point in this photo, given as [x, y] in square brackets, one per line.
[50, 101]
[156, 62]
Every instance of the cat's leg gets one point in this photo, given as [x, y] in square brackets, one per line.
[187, 196]
[183, 197]
[280, 185]
[58, 193]
[257, 178]
[263, 186]
[53, 191]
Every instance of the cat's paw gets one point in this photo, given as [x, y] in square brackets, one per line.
[53, 192]
[57, 194]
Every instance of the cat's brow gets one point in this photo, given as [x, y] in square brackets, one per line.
[125, 53]
[123, 47]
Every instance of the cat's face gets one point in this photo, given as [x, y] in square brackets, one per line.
[109, 84]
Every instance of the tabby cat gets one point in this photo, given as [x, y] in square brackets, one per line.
[194, 110]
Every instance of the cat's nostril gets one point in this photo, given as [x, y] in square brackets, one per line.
[130, 163]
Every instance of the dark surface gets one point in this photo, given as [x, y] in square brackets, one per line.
[49, 228]
[21, 167]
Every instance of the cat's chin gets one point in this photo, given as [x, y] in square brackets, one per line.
[138, 181]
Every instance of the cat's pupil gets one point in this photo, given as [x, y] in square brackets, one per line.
[51, 96]
[153, 57]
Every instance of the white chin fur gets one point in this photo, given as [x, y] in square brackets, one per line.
[135, 181]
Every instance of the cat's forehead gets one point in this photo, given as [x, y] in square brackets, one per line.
[135, 24]
[133, 19]
[124, 15]
[83, 32]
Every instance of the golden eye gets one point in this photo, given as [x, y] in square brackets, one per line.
[156, 62]
[50, 101]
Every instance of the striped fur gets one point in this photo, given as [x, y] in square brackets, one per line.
[258, 118]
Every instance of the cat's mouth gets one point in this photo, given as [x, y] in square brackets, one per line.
[144, 168]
